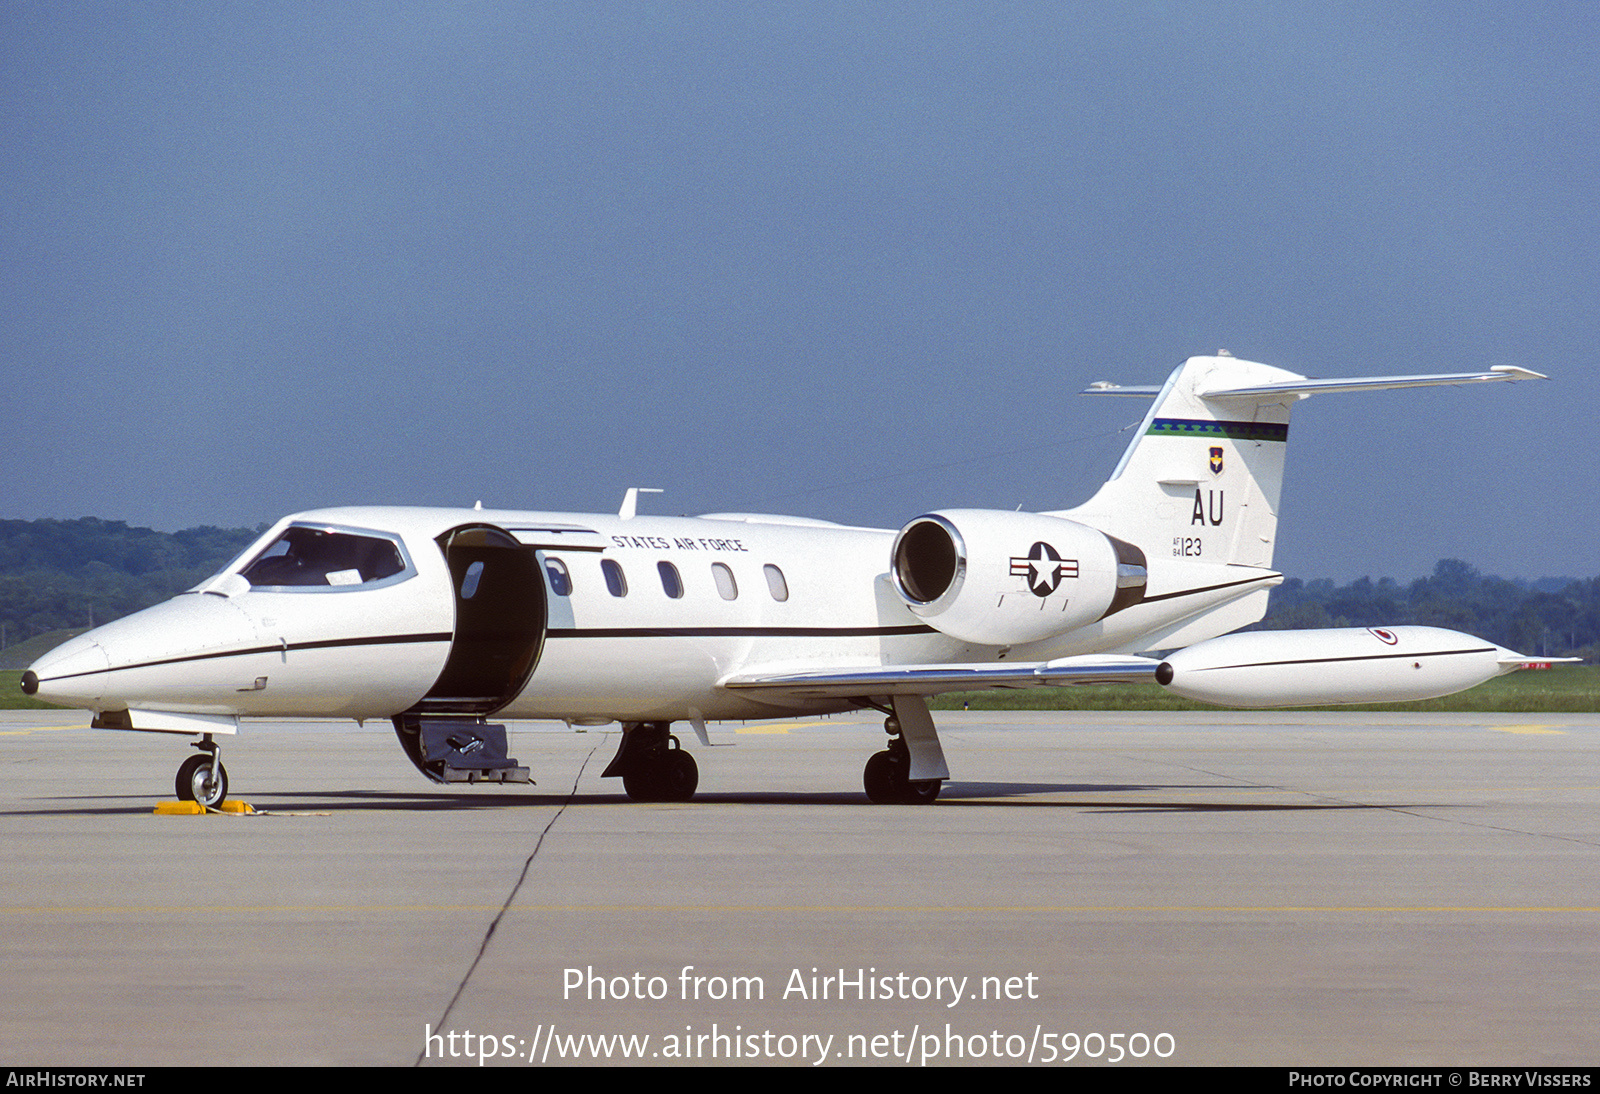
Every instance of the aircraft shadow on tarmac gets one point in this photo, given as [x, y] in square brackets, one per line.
[956, 795]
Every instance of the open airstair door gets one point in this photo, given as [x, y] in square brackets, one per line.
[500, 622]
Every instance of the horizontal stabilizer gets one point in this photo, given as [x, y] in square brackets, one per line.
[1367, 383]
[935, 679]
[1305, 386]
[1138, 391]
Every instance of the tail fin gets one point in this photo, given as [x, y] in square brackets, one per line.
[1203, 476]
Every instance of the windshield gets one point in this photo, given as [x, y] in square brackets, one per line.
[307, 556]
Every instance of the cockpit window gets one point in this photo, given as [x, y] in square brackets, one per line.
[305, 556]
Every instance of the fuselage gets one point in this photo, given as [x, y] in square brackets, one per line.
[370, 612]
[639, 619]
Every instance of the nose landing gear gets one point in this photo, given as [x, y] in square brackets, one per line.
[202, 778]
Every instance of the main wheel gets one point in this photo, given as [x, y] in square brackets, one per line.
[879, 778]
[670, 776]
[677, 776]
[643, 784]
[192, 778]
[885, 782]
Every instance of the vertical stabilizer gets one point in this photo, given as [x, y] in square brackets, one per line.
[1202, 478]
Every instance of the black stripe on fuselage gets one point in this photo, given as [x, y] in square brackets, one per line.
[1205, 589]
[738, 632]
[597, 632]
[324, 644]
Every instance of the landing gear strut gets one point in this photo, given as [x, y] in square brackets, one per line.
[202, 778]
[653, 765]
[886, 777]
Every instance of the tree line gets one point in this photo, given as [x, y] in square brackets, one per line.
[1553, 617]
[58, 574]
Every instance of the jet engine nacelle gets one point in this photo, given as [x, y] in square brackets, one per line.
[1312, 668]
[1001, 579]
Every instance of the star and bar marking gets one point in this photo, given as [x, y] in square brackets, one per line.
[1044, 568]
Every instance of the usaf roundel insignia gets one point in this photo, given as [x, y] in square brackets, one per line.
[1044, 568]
[1387, 637]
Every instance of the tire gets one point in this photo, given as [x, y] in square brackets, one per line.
[642, 784]
[885, 782]
[678, 776]
[190, 783]
[879, 780]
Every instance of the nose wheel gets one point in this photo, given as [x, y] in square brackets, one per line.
[202, 778]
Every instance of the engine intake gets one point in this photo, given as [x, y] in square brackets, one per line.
[929, 557]
[998, 578]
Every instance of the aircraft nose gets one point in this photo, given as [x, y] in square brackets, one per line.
[72, 674]
[138, 659]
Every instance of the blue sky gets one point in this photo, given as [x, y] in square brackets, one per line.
[850, 261]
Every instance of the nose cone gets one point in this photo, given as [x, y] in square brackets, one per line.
[72, 674]
[147, 658]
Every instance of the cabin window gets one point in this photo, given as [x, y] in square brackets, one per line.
[560, 578]
[671, 583]
[308, 557]
[616, 581]
[469, 581]
[775, 582]
[724, 578]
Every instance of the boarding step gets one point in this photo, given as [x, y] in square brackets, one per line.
[459, 750]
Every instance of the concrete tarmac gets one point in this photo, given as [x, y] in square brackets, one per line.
[1290, 889]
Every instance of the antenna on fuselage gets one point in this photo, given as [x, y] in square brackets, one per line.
[630, 500]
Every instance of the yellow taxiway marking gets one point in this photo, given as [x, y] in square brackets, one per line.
[809, 909]
[22, 731]
[784, 727]
[1527, 729]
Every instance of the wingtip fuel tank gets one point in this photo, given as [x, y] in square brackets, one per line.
[1345, 665]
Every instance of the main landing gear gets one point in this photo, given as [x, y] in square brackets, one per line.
[887, 776]
[653, 765]
[202, 778]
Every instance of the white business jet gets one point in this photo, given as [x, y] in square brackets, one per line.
[438, 618]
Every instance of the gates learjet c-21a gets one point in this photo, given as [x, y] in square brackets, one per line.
[437, 618]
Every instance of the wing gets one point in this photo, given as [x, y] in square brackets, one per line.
[849, 682]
